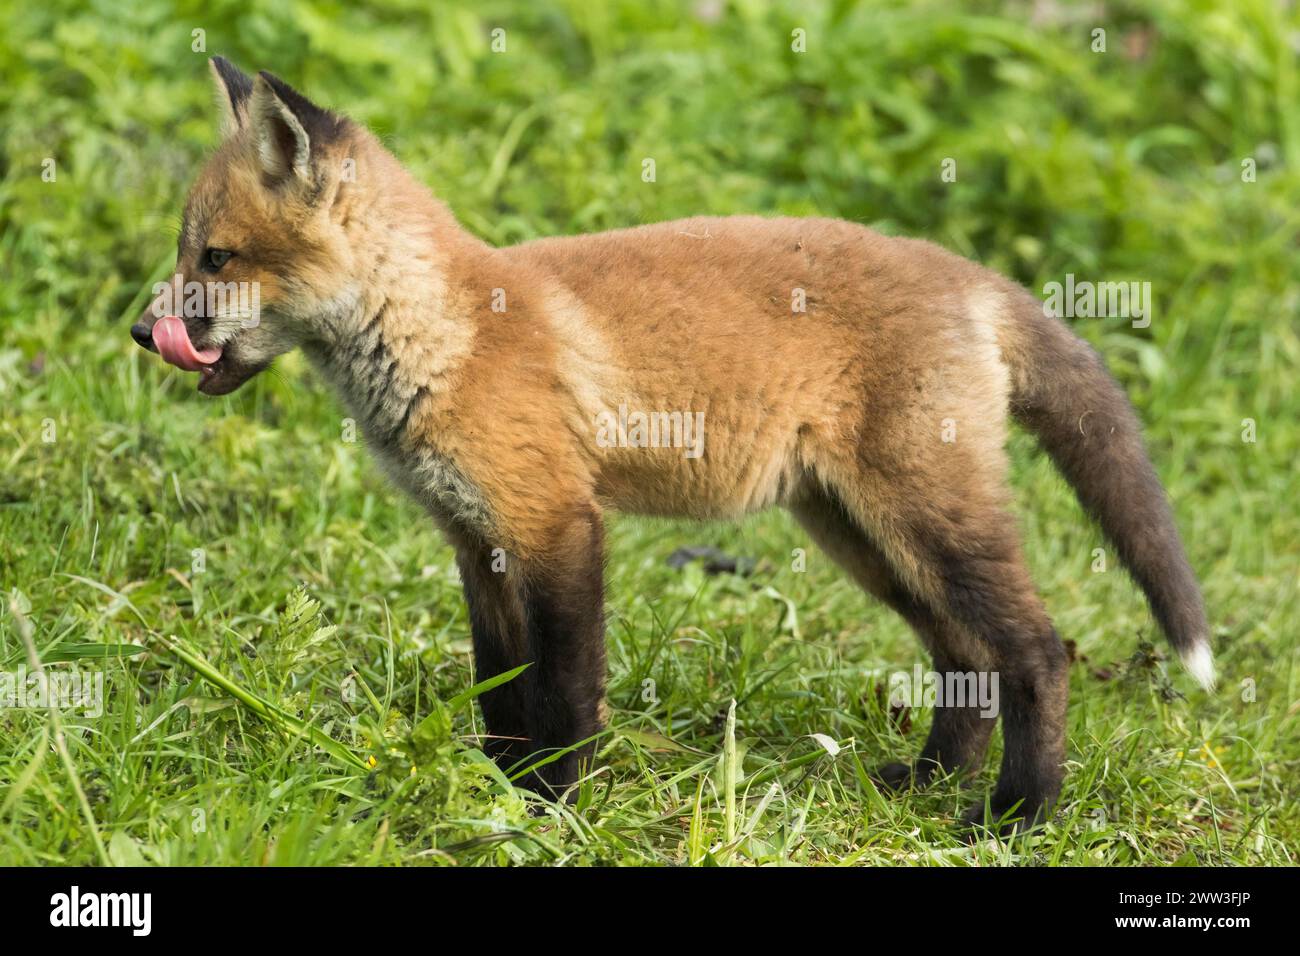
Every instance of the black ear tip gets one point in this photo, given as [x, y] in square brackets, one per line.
[237, 84]
[228, 70]
[320, 123]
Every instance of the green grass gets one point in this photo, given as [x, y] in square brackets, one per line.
[330, 599]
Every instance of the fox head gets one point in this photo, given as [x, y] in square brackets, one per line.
[263, 257]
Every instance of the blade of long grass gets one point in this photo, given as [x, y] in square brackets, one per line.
[729, 769]
[265, 709]
[465, 696]
[81, 652]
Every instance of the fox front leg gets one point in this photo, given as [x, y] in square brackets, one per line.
[547, 611]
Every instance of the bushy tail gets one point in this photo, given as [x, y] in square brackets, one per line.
[1062, 392]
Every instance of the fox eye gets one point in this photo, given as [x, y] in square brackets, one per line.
[214, 259]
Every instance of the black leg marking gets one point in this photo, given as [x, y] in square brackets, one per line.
[549, 614]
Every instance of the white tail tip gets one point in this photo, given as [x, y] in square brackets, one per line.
[1200, 664]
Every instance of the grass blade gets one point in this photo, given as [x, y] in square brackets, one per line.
[265, 709]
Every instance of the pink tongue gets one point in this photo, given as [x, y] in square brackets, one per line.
[174, 345]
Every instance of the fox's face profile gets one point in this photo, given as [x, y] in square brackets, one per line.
[264, 261]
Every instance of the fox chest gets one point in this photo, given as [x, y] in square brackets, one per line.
[386, 406]
[435, 483]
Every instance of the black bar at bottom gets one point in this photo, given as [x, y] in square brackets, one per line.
[365, 906]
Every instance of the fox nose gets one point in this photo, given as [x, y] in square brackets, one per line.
[143, 335]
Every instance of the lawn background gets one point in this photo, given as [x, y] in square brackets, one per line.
[133, 510]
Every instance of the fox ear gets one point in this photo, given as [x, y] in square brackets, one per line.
[234, 87]
[290, 131]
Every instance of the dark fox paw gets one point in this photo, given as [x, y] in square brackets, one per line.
[894, 777]
[897, 777]
[1003, 817]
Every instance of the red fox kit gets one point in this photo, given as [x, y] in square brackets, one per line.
[519, 393]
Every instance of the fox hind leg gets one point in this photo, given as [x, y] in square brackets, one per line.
[959, 735]
[949, 559]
